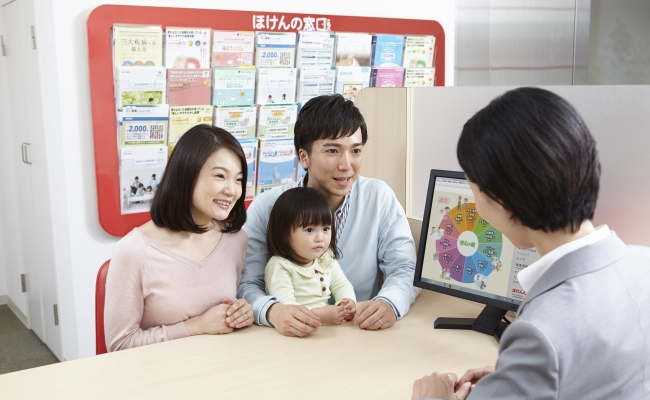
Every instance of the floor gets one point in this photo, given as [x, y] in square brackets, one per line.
[20, 348]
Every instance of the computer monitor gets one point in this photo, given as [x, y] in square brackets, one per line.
[462, 255]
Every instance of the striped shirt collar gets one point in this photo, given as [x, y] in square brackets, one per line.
[340, 214]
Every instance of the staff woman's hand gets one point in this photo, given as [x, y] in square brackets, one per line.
[239, 314]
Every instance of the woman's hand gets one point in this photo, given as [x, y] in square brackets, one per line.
[212, 322]
[350, 308]
[333, 315]
[239, 314]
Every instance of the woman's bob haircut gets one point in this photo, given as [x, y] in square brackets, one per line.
[530, 151]
[172, 203]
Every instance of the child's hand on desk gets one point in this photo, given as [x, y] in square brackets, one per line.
[333, 315]
[350, 308]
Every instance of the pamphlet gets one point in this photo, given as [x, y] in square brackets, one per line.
[137, 46]
[277, 163]
[233, 86]
[419, 51]
[143, 125]
[250, 147]
[181, 119]
[387, 50]
[416, 77]
[187, 48]
[315, 49]
[275, 49]
[353, 49]
[315, 81]
[141, 168]
[387, 77]
[232, 48]
[350, 80]
[189, 87]
[276, 86]
[276, 121]
[140, 86]
[239, 121]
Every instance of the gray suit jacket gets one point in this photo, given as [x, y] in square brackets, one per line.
[583, 331]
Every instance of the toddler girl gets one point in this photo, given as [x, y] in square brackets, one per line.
[303, 270]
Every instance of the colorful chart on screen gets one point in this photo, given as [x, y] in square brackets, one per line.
[468, 248]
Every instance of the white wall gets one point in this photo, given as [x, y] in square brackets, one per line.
[82, 246]
[10, 259]
[619, 42]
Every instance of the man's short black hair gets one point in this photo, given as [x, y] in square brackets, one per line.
[171, 206]
[530, 151]
[297, 208]
[327, 117]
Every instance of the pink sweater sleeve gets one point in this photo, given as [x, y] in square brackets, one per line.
[124, 305]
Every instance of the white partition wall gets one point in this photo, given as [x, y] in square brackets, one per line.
[618, 117]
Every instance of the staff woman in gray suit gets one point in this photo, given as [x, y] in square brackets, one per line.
[582, 331]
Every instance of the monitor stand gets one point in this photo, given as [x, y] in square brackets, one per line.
[489, 321]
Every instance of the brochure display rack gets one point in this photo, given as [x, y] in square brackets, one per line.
[99, 27]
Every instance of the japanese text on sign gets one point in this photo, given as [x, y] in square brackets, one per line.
[273, 23]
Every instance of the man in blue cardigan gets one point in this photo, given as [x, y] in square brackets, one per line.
[372, 231]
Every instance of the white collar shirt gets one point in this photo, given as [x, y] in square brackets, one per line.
[533, 272]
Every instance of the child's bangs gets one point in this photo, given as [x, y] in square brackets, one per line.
[313, 215]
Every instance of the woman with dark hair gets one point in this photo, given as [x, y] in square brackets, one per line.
[177, 275]
[582, 330]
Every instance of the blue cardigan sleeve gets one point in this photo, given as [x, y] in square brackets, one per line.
[252, 286]
[396, 254]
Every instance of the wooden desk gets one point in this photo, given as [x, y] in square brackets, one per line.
[337, 362]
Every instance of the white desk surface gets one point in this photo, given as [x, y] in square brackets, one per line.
[337, 362]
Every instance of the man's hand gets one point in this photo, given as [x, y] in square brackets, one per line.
[292, 320]
[333, 315]
[373, 315]
[239, 314]
[440, 386]
[473, 375]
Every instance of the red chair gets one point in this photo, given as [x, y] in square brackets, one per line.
[100, 294]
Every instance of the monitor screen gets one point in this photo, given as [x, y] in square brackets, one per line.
[461, 254]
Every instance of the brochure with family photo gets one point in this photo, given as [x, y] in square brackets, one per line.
[419, 51]
[350, 80]
[418, 77]
[250, 147]
[239, 121]
[277, 163]
[315, 49]
[315, 81]
[140, 86]
[137, 46]
[232, 48]
[141, 168]
[143, 125]
[189, 87]
[183, 118]
[187, 48]
[275, 50]
[276, 121]
[276, 85]
[353, 49]
[233, 86]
